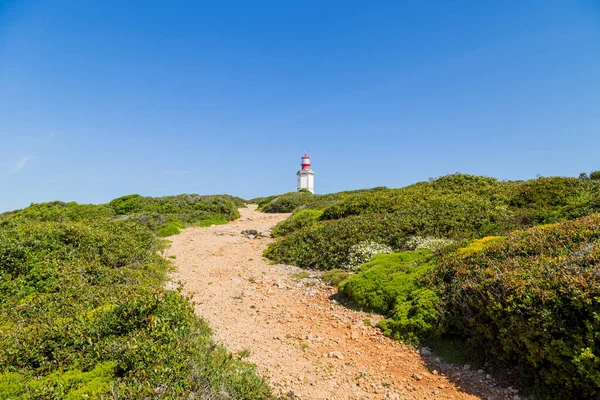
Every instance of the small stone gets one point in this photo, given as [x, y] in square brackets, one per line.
[392, 396]
[480, 371]
[488, 377]
[336, 354]
[516, 397]
[435, 372]
[425, 352]
[417, 377]
[467, 367]
[436, 392]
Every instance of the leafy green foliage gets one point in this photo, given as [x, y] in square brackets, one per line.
[458, 207]
[547, 200]
[170, 229]
[298, 220]
[57, 211]
[287, 202]
[83, 314]
[166, 215]
[390, 284]
[533, 298]
[379, 282]
[327, 244]
[304, 199]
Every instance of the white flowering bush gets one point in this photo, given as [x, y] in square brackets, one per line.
[432, 244]
[363, 252]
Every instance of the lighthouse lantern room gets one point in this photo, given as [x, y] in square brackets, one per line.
[306, 176]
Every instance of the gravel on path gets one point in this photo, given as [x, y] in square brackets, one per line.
[286, 323]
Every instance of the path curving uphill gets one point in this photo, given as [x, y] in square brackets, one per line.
[305, 343]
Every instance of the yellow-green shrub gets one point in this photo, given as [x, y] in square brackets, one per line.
[390, 284]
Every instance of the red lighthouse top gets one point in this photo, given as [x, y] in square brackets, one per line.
[305, 162]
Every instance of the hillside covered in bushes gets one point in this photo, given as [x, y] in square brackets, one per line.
[84, 312]
[511, 267]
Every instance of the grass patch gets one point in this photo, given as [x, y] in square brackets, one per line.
[297, 276]
[335, 276]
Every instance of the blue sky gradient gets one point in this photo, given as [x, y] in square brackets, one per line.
[99, 99]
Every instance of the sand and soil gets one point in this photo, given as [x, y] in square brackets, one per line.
[301, 339]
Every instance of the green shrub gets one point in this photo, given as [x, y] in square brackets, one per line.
[295, 201]
[169, 229]
[327, 245]
[286, 203]
[452, 208]
[379, 282]
[533, 298]
[547, 200]
[57, 211]
[186, 209]
[68, 385]
[83, 312]
[457, 186]
[391, 284]
[362, 252]
[216, 220]
[298, 220]
[595, 175]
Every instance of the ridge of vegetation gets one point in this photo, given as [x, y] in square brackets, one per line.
[510, 267]
[84, 312]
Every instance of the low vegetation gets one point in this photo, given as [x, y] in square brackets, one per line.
[167, 215]
[295, 201]
[510, 267]
[83, 312]
[533, 298]
[455, 207]
[390, 284]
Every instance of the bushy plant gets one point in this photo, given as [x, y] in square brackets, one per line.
[432, 244]
[362, 252]
[166, 215]
[83, 313]
[57, 211]
[169, 229]
[553, 199]
[478, 245]
[326, 245]
[533, 298]
[303, 199]
[391, 284]
[456, 207]
[286, 203]
[298, 220]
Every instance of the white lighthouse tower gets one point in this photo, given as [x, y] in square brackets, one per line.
[306, 176]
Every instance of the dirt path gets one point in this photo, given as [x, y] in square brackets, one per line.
[304, 342]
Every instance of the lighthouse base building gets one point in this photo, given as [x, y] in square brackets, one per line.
[306, 176]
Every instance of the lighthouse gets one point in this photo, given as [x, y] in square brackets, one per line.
[306, 176]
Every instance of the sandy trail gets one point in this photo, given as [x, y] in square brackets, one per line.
[305, 343]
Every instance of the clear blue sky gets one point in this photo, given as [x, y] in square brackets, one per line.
[99, 99]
